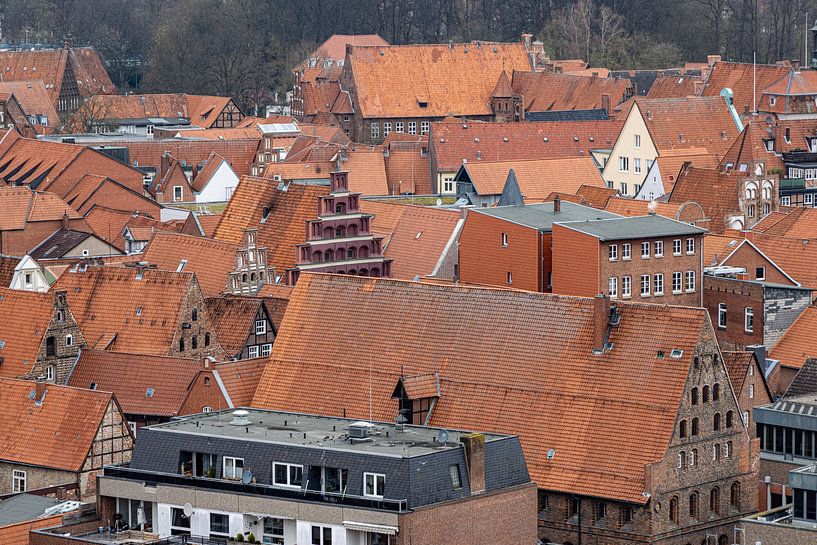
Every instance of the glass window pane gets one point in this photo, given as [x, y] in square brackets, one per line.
[296, 475]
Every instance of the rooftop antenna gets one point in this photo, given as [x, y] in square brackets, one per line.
[754, 82]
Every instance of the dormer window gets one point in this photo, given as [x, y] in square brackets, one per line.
[772, 101]
[423, 104]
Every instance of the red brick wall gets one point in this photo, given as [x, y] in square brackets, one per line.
[483, 259]
[203, 392]
[746, 256]
[21, 242]
[737, 296]
[575, 263]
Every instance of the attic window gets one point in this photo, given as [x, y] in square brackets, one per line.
[2, 344]
[476, 139]
[681, 137]
[769, 145]
[138, 311]
[729, 165]
[743, 167]
[545, 139]
[418, 235]
[505, 139]
[575, 138]
[182, 263]
[660, 355]
[676, 353]
[423, 104]
[149, 392]
[723, 135]
[590, 138]
[92, 386]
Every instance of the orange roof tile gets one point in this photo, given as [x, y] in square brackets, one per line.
[233, 319]
[675, 86]
[750, 149]
[33, 98]
[671, 162]
[795, 256]
[335, 46]
[636, 207]
[794, 84]
[408, 171]
[716, 248]
[396, 81]
[239, 153]
[58, 433]
[740, 78]
[276, 297]
[298, 171]
[797, 343]
[595, 197]
[129, 376]
[211, 260]
[240, 378]
[798, 222]
[109, 224]
[30, 312]
[20, 205]
[92, 190]
[48, 66]
[7, 266]
[205, 174]
[690, 122]
[714, 191]
[18, 533]
[92, 77]
[603, 447]
[208, 223]
[367, 172]
[546, 91]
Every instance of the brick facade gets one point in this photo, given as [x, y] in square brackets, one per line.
[194, 336]
[60, 344]
[750, 258]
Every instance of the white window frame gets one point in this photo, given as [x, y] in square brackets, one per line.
[748, 320]
[690, 246]
[659, 248]
[626, 251]
[745, 418]
[132, 426]
[626, 286]
[210, 528]
[676, 246]
[266, 349]
[289, 480]
[260, 327]
[637, 168]
[613, 252]
[275, 539]
[785, 201]
[50, 373]
[386, 128]
[637, 141]
[253, 351]
[677, 280]
[19, 479]
[178, 193]
[623, 188]
[398, 126]
[751, 391]
[646, 284]
[504, 240]
[693, 457]
[646, 250]
[658, 284]
[375, 486]
[722, 310]
[613, 286]
[623, 164]
[763, 271]
[425, 126]
[689, 280]
[374, 128]
[233, 474]
[412, 127]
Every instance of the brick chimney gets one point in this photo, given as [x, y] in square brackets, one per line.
[474, 444]
[601, 321]
[65, 222]
[697, 87]
[712, 59]
[605, 102]
[39, 392]
[557, 205]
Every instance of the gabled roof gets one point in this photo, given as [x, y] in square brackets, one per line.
[214, 161]
[805, 381]
[33, 98]
[794, 84]
[109, 224]
[750, 149]
[455, 142]
[797, 343]
[276, 297]
[26, 315]
[130, 375]
[411, 80]
[48, 66]
[92, 77]
[690, 122]
[58, 244]
[105, 302]
[637, 207]
[201, 110]
[797, 222]
[408, 170]
[211, 260]
[33, 162]
[57, 433]
[335, 47]
[367, 172]
[714, 191]
[289, 206]
[92, 190]
[20, 206]
[240, 379]
[675, 86]
[737, 365]
[559, 396]
[548, 91]
[233, 319]
[671, 162]
[7, 266]
[795, 256]
[537, 178]
[740, 78]
[596, 197]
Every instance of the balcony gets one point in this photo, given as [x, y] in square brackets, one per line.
[128, 537]
[237, 487]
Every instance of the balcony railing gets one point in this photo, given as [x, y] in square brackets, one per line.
[238, 487]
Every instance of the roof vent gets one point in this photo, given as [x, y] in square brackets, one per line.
[575, 138]
[545, 139]
[359, 431]
[505, 139]
[240, 418]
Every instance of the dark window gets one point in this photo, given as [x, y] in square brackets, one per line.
[543, 500]
[572, 508]
[50, 346]
[194, 315]
[600, 509]
[734, 496]
[673, 509]
[729, 417]
[181, 345]
[716, 392]
[716, 422]
[695, 429]
[705, 394]
[694, 395]
[682, 429]
[715, 500]
[627, 514]
[194, 342]
[693, 505]
[207, 339]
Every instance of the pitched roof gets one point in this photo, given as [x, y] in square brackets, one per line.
[396, 81]
[27, 315]
[7, 266]
[92, 77]
[48, 66]
[797, 343]
[201, 110]
[240, 379]
[596, 197]
[559, 396]
[637, 207]
[716, 248]
[33, 98]
[537, 178]
[690, 122]
[715, 191]
[408, 170]
[58, 244]
[109, 224]
[335, 46]
[289, 206]
[740, 78]
[130, 375]
[797, 222]
[794, 84]
[233, 319]
[210, 259]
[117, 310]
[749, 149]
[737, 364]
[671, 161]
[805, 381]
[21, 205]
[415, 236]
[367, 172]
[674, 86]
[214, 161]
[276, 297]
[57, 433]
[793, 255]
[547, 91]
[92, 190]
[455, 142]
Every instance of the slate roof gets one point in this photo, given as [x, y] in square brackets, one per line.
[211, 259]
[797, 343]
[240, 379]
[590, 409]
[23, 507]
[58, 433]
[58, 244]
[740, 78]
[285, 226]
[805, 381]
[393, 81]
[596, 114]
[541, 216]
[651, 225]
[129, 376]
[233, 319]
[30, 313]
[548, 91]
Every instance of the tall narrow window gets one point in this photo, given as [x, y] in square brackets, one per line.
[716, 391]
[18, 481]
[705, 394]
[715, 500]
[748, 319]
[50, 346]
[716, 422]
[695, 427]
[694, 395]
[682, 429]
[734, 496]
[673, 509]
[693, 505]
[722, 315]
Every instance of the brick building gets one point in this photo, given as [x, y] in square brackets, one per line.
[648, 258]
[511, 245]
[243, 325]
[252, 269]
[748, 382]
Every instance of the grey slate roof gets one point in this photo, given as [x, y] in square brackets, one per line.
[805, 382]
[58, 244]
[22, 507]
[541, 216]
[634, 227]
[597, 114]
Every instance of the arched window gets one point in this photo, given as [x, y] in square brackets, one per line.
[181, 344]
[693, 457]
[694, 395]
[716, 422]
[693, 505]
[352, 272]
[695, 429]
[682, 429]
[194, 342]
[363, 253]
[734, 496]
[328, 232]
[50, 346]
[207, 339]
[705, 394]
[206, 409]
[673, 509]
[353, 230]
[252, 277]
[729, 418]
[375, 272]
[715, 500]
[716, 452]
[329, 255]
[340, 232]
[716, 392]
[363, 272]
[723, 540]
[317, 257]
[682, 460]
[244, 277]
[194, 314]
[352, 253]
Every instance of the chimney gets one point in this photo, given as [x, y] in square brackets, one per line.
[557, 205]
[605, 102]
[601, 319]
[474, 444]
[65, 223]
[712, 59]
[594, 75]
[526, 40]
[39, 392]
[697, 87]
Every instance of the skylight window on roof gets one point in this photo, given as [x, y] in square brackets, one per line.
[138, 311]
[743, 167]
[92, 386]
[2, 344]
[149, 392]
[676, 353]
[182, 263]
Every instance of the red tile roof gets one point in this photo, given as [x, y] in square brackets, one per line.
[636, 207]
[92, 77]
[276, 297]
[750, 149]
[367, 172]
[408, 171]
[546, 91]
[793, 85]
[33, 98]
[202, 111]
[335, 47]
[590, 408]
[596, 197]
[30, 312]
[92, 190]
[233, 319]
[20, 205]
[797, 343]
[239, 153]
[393, 81]
[741, 78]
[795, 256]
[714, 191]
[129, 376]
[109, 224]
[58, 433]
[691, 122]
[240, 378]
[675, 86]
[798, 222]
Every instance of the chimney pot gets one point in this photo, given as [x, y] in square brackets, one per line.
[605, 102]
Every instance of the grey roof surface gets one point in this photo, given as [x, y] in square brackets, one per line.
[597, 114]
[58, 244]
[541, 216]
[620, 228]
[22, 507]
[804, 383]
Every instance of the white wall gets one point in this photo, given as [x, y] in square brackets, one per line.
[304, 532]
[653, 186]
[216, 189]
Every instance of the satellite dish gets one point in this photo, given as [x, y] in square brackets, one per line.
[246, 477]
[442, 437]
[187, 509]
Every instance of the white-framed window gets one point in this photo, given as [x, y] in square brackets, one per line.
[751, 391]
[424, 127]
[722, 315]
[179, 522]
[693, 457]
[637, 141]
[219, 525]
[637, 168]
[373, 484]
[645, 285]
[253, 351]
[386, 128]
[727, 450]
[132, 426]
[207, 409]
[321, 535]
[260, 327]
[745, 417]
[626, 251]
[645, 250]
[273, 531]
[626, 286]
[769, 145]
[504, 240]
[772, 101]
[177, 193]
[50, 373]
[750, 210]
[785, 201]
[676, 282]
[613, 286]
[448, 184]
[232, 468]
[289, 475]
[760, 273]
[690, 281]
[676, 246]
[69, 340]
[398, 126]
[808, 199]
[266, 349]
[658, 284]
[18, 480]
[659, 248]
[375, 128]
[623, 188]
[509, 278]
[748, 319]
[412, 127]
[690, 246]
[613, 252]
[623, 164]
[149, 129]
